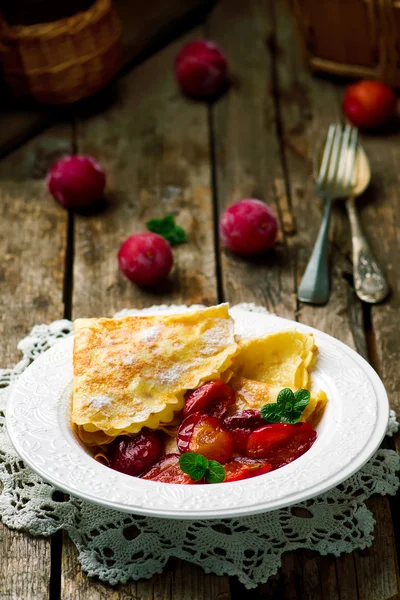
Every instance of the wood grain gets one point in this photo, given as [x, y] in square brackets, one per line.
[190, 583]
[147, 24]
[180, 580]
[33, 232]
[379, 209]
[154, 145]
[247, 151]
[25, 569]
[377, 567]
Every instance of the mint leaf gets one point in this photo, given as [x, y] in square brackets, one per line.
[301, 399]
[271, 413]
[215, 472]
[285, 397]
[292, 417]
[195, 465]
[285, 400]
[288, 407]
[167, 228]
[175, 236]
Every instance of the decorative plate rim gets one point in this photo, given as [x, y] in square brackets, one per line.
[359, 412]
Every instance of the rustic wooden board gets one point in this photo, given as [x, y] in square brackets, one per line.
[379, 208]
[17, 125]
[145, 26]
[377, 567]
[180, 580]
[33, 232]
[247, 151]
[155, 148]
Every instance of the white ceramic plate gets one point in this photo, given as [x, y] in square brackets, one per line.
[350, 431]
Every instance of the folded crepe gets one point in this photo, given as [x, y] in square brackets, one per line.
[265, 365]
[133, 372]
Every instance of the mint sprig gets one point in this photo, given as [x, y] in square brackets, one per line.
[215, 472]
[288, 407]
[194, 465]
[168, 229]
[198, 466]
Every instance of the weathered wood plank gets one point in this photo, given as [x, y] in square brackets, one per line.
[189, 583]
[18, 125]
[247, 151]
[379, 209]
[144, 25]
[347, 577]
[377, 567]
[154, 145]
[25, 572]
[33, 232]
[179, 580]
[310, 106]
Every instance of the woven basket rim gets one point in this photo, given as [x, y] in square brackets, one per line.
[70, 25]
[73, 62]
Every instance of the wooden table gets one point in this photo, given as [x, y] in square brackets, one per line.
[166, 154]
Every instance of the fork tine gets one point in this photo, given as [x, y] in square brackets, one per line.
[333, 164]
[326, 155]
[343, 157]
[348, 176]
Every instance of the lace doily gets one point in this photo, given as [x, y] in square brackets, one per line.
[117, 547]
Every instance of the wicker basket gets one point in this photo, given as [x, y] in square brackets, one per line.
[63, 61]
[356, 38]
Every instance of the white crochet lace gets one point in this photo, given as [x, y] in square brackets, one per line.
[117, 547]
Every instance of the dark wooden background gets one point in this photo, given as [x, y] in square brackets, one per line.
[164, 153]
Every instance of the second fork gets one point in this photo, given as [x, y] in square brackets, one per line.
[334, 180]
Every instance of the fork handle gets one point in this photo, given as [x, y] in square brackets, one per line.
[369, 281]
[314, 286]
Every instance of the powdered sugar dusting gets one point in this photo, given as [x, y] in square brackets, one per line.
[218, 336]
[170, 376]
[150, 333]
[129, 360]
[99, 402]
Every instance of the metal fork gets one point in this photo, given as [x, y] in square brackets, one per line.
[334, 180]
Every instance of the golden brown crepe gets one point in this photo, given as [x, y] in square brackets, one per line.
[254, 394]
[315, 408]
[133, 372]
[281, 359]
[265, 365]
